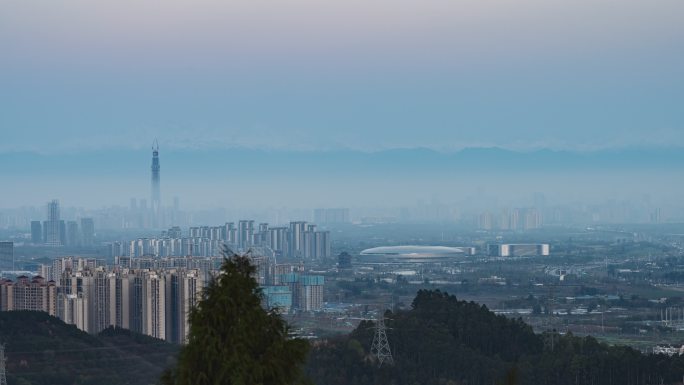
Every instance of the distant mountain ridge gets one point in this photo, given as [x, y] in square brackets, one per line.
[241, 161]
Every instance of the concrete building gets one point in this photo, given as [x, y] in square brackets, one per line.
[72, 234]
[52, 233]
[36, 233]
[183, 291]
[231, 236]
[87, 231]
[518, 250]
[62, 233]
[245, 234]
[411, 254]
[296, 239]
[278, 240]
[310, 295]
[29, 294]
[73, 310]
[278, 297]
[7, 256]
[307, 290]
[153, 303]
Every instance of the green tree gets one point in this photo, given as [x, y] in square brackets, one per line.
[233, 340]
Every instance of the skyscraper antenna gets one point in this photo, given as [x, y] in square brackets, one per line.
[155, 185]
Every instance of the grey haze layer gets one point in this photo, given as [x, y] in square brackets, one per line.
[260, 178]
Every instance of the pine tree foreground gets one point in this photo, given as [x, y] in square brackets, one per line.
[233, 340]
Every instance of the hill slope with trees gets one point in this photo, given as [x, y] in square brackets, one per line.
[442, 340]
[43, 350]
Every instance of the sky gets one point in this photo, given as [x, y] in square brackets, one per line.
[368, 75]
[78, 76]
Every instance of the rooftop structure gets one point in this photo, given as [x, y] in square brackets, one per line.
[410, 254]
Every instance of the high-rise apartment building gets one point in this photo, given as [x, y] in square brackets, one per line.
[245, 234]
[307, 290]
[73, 310]
[52, 236]
[45, 226]
[310, 292]
[277, 240]
[322, 246]
[485, 221]
[183, 289]
[296, 239]
[154, 305]
[87, 231]
[72, 235]
[7, 256]
[316, 244]
[36, 232]
[62, 233]
[231, 234]
[29, 294]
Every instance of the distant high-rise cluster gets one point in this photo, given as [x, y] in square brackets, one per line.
[331, 216]
[511, 220]
[300, 240]
[57, 232]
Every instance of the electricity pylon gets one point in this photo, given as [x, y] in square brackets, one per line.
[381, 347]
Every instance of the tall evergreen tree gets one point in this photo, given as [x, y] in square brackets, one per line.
[233, 339]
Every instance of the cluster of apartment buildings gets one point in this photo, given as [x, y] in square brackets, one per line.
[298, 240]
[57, 232]
[511, 220]
[152, 296]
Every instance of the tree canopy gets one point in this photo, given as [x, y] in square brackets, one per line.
[445, 341]
[233, 339]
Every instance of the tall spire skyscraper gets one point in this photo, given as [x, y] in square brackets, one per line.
[156, 191]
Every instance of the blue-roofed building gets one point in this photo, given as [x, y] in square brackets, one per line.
[278, 297]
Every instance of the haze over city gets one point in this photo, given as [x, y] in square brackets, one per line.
[311, 103]
[341, 192]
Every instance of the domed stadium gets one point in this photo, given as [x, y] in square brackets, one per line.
[410, 254]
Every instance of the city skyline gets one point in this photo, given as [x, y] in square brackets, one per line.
[577, 100]
[341, 192]
[345, 178]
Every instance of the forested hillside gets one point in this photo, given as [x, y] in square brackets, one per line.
[42, 350]
[442, 340]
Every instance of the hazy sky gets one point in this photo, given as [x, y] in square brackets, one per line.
[88, 84]
[324, 74]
